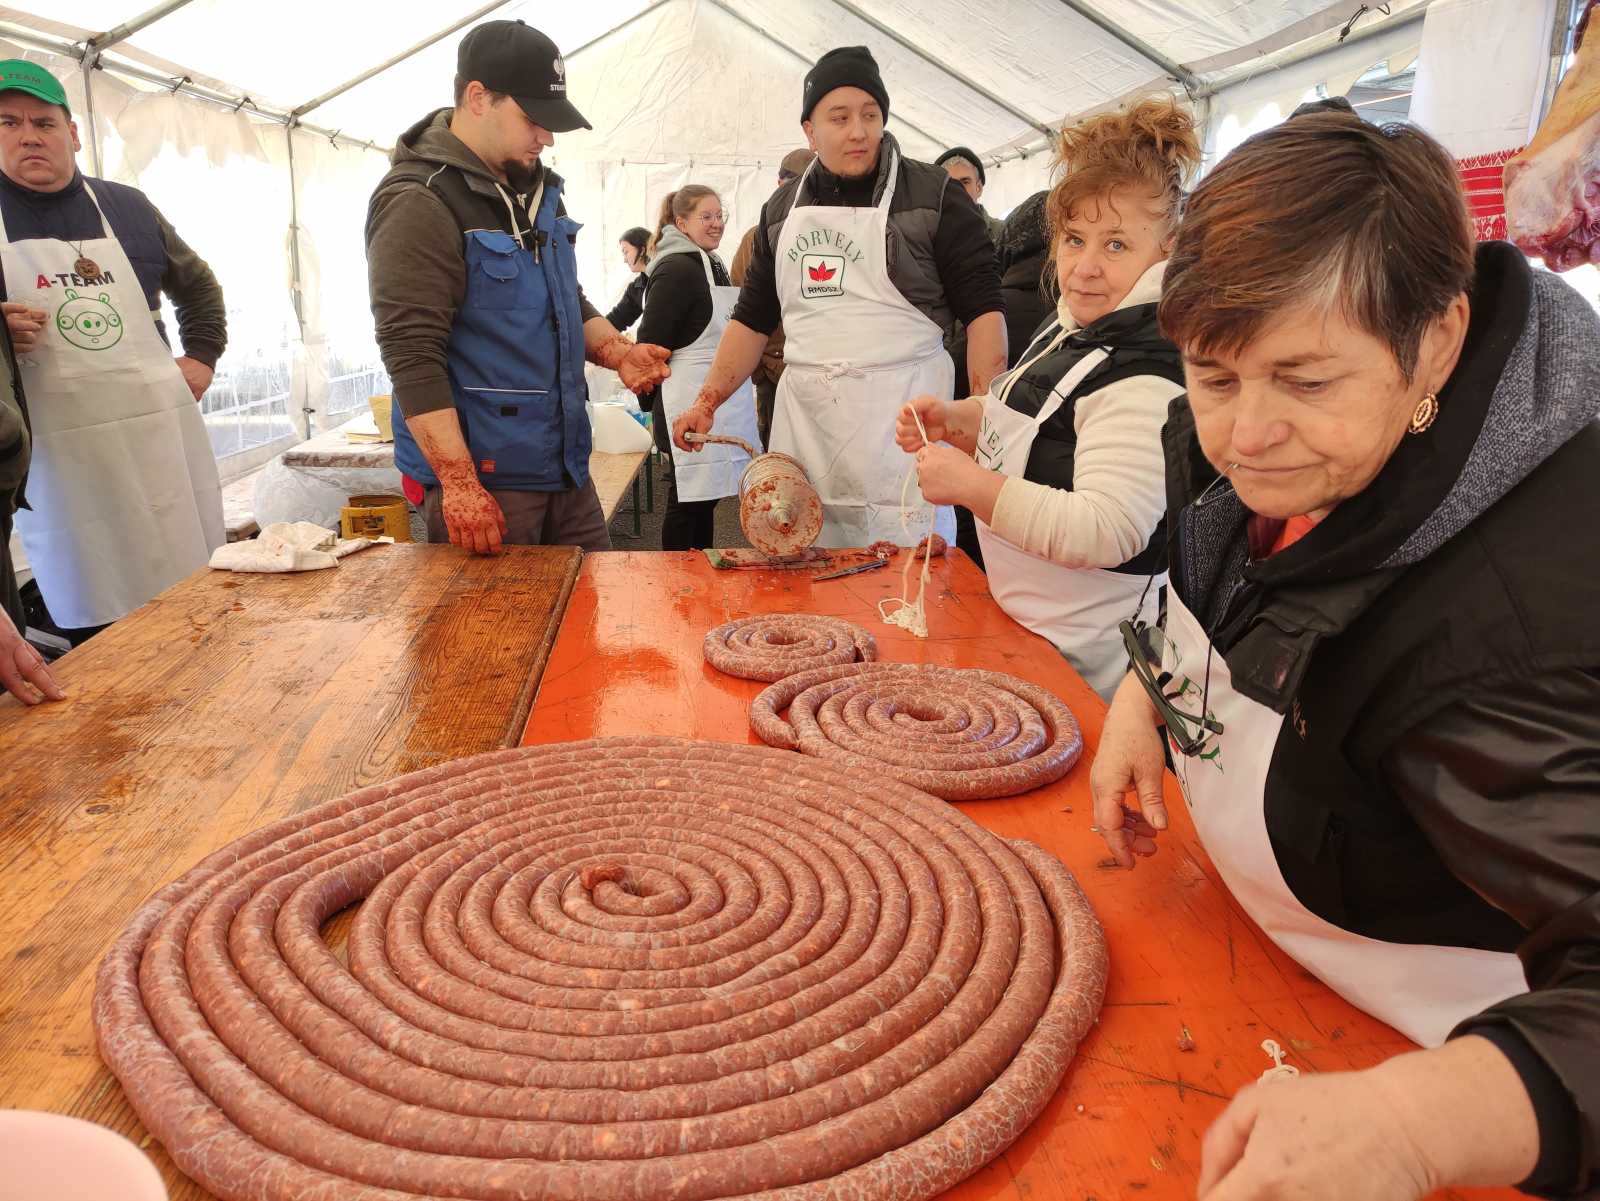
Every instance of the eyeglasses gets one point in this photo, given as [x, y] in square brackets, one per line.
[711, 218]
[1158, 668]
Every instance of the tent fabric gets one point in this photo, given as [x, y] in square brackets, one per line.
[678, 91]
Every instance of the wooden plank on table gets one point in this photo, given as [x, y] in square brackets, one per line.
[613, 475]
[1128, 1121]
[224, 704]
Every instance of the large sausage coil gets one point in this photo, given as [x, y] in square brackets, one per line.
[625, 970]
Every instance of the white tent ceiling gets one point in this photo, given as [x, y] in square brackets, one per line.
[191, 101]
[989, 75]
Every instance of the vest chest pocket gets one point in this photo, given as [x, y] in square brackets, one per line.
[500, 274]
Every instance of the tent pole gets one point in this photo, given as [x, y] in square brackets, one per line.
[971, 85]
[474, 15]
[618, 28]
[28, 37]
[1566, 17]
[127, 29]
[88, 116]
[296, 284]
[1189, 80]
[811, 62]
[1357, 36]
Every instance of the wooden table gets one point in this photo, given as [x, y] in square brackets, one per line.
[228, 702]
[614, 475]
[1128, 1121]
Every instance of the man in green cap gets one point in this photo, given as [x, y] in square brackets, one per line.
[123, 499]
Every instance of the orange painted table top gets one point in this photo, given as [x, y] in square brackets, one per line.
[1128, 1120]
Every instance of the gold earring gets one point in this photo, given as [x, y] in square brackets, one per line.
[1424, 415]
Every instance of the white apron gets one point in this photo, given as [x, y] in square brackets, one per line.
[1076, 608]
[713, 471]
[123, 487]
[1422, 991]
[856, 351]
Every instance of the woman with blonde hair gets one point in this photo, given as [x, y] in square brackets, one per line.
[687, 302]
[1061, 461]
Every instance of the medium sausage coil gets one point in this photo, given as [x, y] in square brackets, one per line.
[772, 646]
[630, 970]
[959, 733]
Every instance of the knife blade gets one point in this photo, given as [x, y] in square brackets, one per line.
[856, 570]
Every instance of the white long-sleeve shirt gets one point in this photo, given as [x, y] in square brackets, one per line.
[1118, 491]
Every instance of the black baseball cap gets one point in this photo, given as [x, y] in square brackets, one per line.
[515, 58]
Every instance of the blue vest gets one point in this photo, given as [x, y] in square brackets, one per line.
[515, 360]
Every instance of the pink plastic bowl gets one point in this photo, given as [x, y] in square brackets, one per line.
[47, 1155]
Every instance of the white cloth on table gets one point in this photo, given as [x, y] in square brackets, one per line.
[287, 546]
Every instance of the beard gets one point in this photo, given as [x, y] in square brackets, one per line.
[523, 179]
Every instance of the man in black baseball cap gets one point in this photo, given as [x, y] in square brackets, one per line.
[481, 321]
[516, 60]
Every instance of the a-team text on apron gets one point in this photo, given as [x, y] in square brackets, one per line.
[123, 487]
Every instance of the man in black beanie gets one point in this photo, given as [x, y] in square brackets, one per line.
[967, 170]
[868, 260]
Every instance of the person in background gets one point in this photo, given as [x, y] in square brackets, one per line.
[770, 370]
[124, 499]
[867, 260]
[965, 168]
[1379, 677]
[22, 669]
[481, 321]
[1026, 277]
[685, 310]
[635, 247]
[1061, 462]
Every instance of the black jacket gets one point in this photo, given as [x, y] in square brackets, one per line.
[1023, 254]
[1434, 643]
[631, 307]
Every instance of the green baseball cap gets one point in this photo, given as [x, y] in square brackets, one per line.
[18, 74]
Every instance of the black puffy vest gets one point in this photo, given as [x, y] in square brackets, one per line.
[1135, 346]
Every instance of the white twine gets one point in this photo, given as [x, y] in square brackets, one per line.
[912, 615]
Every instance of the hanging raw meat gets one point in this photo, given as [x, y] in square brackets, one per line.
[1553, 187]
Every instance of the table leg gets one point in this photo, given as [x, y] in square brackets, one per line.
[638, 521]
[650, 479]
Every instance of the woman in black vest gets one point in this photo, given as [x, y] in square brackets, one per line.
[1379, 675]
[1061, 462]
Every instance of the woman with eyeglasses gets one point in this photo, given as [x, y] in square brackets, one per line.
[635, 247]
[1060, 463]
[687, 302]
[1380, 670]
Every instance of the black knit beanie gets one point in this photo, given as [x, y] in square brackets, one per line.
[844, 67]
[961, 152]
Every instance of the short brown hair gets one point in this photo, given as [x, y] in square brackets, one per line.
[1152, 145]
[461, 91]
[1326, 210]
